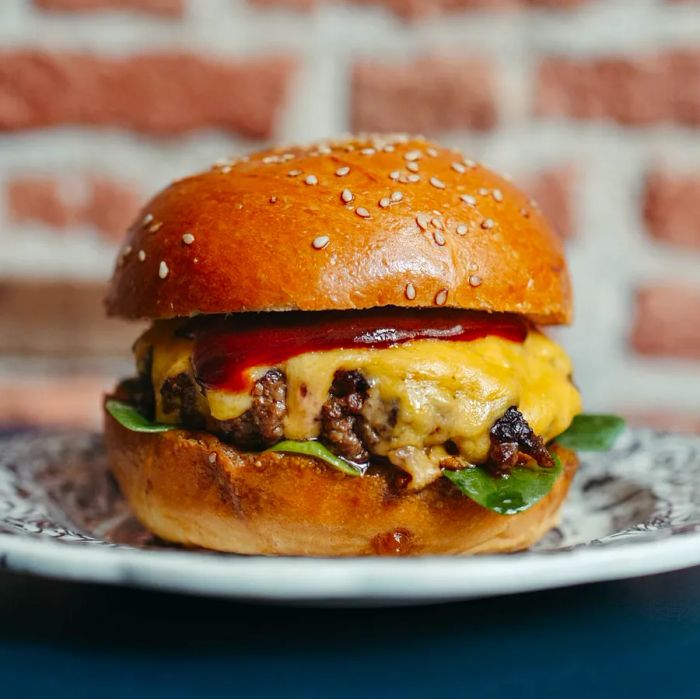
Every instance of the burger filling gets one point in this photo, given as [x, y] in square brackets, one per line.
[422, 391]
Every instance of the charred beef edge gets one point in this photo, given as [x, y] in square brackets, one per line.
[510, 436]
[343, 429]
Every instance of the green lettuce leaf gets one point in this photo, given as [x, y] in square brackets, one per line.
[127, 416]
[316, 449]
[592, 432]
[507, 495]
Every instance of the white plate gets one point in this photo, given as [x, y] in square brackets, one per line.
[632, 511]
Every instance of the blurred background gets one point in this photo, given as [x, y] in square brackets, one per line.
[593, 106]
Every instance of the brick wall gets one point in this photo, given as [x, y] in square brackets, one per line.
[592, 105]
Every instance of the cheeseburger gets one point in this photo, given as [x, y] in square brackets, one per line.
[345, 357]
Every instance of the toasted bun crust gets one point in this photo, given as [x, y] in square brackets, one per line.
[273, 232]
[190, 488]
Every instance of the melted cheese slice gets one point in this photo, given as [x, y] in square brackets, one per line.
[436, 391]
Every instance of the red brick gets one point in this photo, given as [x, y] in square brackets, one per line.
[553, 190]
[665, 420]
[427, 95]
[164, 8]
[414, 9]
[164, 93]
[632, 90]
[297, 5]
[53, 401]
[61, 319]
[418, 9]
[667, 321]
[672, 207]
[555, 4]
[107, 205]
[111, 207]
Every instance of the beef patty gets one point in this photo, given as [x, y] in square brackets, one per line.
[343, 427]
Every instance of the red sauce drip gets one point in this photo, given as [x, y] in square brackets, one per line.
[226, 346]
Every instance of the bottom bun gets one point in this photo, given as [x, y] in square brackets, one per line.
[191, 488]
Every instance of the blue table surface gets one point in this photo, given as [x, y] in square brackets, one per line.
[637, 638]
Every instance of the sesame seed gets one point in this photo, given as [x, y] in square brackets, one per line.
[437, 223]
[362, 212]
[293, 173]
[141, 255]
[483, 191]
[342, 171]
[487, 223]
[212, 457]
[413, 167]
[273, 200]
[320, 242]
[270, 159]
[412, 155]
[155, 227]
[325, 150]
[347, 196]
[188, 239]
[226, 169]
[468, 199]
[385, 202]
[458, 167]
[388, 149]
[422, 221]
[368, 151]
[473, 266]
[163, 269]
[525, 213]
[126, 251]
[147, 219]
[413, 178]
[462, 229]
[439, 184]
[410, 291]
[469, 163]
[431, 152]
[394, 175]
[475, 280]
[396, 196]
[311, 179]
[441, 297]
[439, 237]
[497, 194]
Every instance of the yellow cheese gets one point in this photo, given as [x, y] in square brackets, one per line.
[438, 390]
[443, 390]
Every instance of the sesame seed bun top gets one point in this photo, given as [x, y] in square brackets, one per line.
[348, 224]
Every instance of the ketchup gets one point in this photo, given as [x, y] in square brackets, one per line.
[226, 346]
